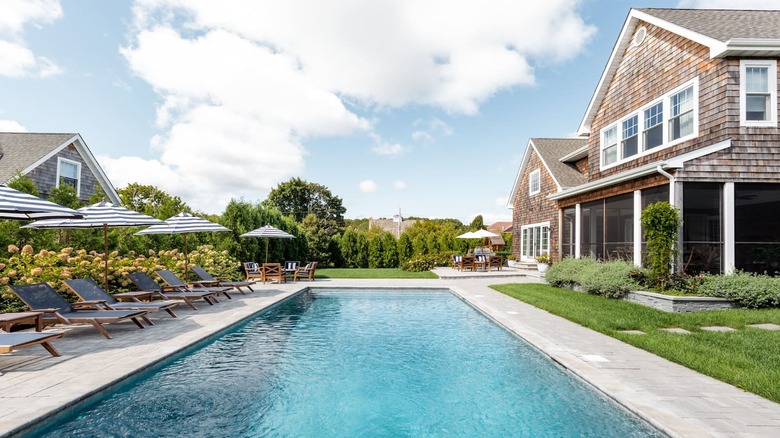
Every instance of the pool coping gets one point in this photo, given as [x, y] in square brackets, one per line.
[674, 399]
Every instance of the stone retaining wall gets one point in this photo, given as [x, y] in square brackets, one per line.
[670, 303]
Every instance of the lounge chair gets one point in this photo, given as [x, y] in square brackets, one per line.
[41, 296]
[207, 279]
[273, 271]
[306, 271]
[176, 284]
[11, 341]
[252, 270]
[144, 282]
[88, 290]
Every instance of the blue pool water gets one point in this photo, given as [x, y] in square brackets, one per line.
[357, 363]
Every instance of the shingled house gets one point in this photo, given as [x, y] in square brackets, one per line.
[685, 111]
[53, 159]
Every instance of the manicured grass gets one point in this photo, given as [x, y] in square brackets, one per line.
[748, 358]
[371, 273]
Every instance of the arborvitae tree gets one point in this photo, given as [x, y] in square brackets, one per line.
[389, 251]
[405, 248]
[375, 259]
[349, 250]
[420, 245]
[362, 250]
[432, 243]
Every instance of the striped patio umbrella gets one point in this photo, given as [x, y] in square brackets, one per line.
[268, 232]
[21, 206]
[184, 223]
[101, 215]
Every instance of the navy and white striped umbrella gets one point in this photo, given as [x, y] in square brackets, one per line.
[101, 215]
[19, 205]
[184, 223]
[268, 232]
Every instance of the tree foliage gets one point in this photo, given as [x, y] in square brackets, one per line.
[477, 224]
[299, 198]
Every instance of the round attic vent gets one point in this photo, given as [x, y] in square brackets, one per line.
[639, 36]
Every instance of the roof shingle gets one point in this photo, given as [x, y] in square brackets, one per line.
[21, 149]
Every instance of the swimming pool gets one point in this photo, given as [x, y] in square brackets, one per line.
[356, 363]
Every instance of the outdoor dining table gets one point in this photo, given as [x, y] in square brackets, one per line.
[8, 320]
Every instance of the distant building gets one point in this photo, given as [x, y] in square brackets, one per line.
[391, 225]
[500, 227]
[53, 159]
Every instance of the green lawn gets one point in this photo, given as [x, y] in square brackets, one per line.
[371, 273]
[748, 358]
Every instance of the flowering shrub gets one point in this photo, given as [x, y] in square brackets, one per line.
[24, 266]
[427, 262]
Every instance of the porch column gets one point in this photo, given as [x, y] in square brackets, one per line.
[728, 228]
[577, 228]
[638, 227]
[676, 199]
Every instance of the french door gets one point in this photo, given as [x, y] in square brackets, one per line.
[535, 240]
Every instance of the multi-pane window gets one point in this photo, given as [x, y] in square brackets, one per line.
[534, 182]
[662, 123]
[758, 92]
[609, 141]
[681, 120]
[654, 126]
[630, 136]
[69, 173]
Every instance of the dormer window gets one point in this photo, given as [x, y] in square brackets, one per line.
[662, 123]
[758, 93]
[69, 173]
[534, 182]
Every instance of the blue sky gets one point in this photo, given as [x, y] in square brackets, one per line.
[422, 105]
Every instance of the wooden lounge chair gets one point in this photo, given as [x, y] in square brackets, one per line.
[273, 272]
[306, 271]
[145, 283]
[88, 290]
[174, 283]
[209, 280]
[469, 263]
[11, 341]
[41, 297]
[252, 271]
[457, 259]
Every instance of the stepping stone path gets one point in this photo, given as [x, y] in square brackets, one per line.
[765, 326]
[633, 332]
[716, 328]
[678, 330]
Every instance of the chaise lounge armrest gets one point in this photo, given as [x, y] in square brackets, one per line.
[92, 304]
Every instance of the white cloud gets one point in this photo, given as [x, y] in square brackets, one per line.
[243, 84]
[430, 130]
[11, 126]
[728, 4]
[17, 59]
[400, 185]
[367, 186]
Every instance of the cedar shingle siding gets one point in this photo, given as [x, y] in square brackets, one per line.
[531, 209]
[45, 175]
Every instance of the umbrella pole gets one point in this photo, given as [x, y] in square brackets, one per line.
[186, 258]
[105, 257]
[266, 250]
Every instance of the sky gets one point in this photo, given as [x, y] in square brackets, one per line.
[420, 105]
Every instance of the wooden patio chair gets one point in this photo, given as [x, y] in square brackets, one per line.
[289, 269]
[469, 263]
[273, 271]
[41, 297]
[305, 272]
[252, 271]
[88, 290]
[175, 284]
[12, 341]
[457, 259]
[207, 279]
[495, 261]
[144, 282]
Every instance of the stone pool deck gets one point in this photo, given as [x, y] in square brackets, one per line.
[676, 400]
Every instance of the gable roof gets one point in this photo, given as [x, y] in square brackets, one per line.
[726, 32]
[23, 152]
[500, 227]
[550, 152]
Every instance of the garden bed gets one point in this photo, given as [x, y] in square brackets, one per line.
[678, 304]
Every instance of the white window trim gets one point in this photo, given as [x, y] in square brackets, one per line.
[523, 257]
[78, 173]
[538, 175]
[771, 83]
[641, 113]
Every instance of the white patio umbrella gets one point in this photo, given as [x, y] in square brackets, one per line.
[479, 234]
[184, 223]
[101, 215]
[268, 232]
[21, 206]
[467, 235]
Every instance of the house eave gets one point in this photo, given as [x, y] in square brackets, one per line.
[746, 47]
[648, 169]
[576, 155]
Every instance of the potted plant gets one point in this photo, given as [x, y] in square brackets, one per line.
[543, 262]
